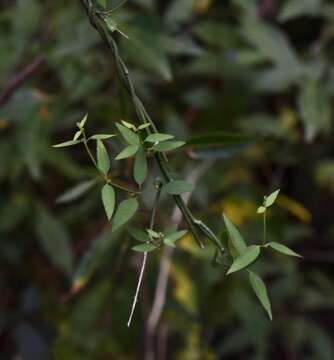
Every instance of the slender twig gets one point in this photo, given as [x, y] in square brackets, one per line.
[19, 79]
[98, 22]
[143, 266]
[164, 270]
[265, 227]
[101, 173]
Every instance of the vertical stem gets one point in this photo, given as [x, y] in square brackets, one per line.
[142, 269]
[264, 241]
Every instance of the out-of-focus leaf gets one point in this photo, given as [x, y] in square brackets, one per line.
[260, 290]
[76, 192]
[177, 187]
[92, 259]
[124, 213]
[272, 43]
[296, 8]
[139, 234]
[144, 248]
[315, 108]
[179, 11]
[245, 259]
[218, 146]
[54, 240]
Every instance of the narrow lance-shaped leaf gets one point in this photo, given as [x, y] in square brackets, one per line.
[158, 137]
[237, 240]
[127, 152]
[54, 240]
[176, 235]
[260, 290]
[108, 200]
[140, 167]
[168, 145]
[270, 199]
[245, 259]
[101, 136]
[82, 123]
[177, 187]
[67, 143]
[124, 213]
[103, 161]
[76, 192]
[128, 135]
[283, 249]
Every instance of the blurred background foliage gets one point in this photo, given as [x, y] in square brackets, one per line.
[263, 68]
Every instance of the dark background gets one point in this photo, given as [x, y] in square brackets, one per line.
[263, 68]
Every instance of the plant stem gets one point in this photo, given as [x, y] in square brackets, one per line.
[264, 241]
[142, 269]
[104, 176]
[99, 24]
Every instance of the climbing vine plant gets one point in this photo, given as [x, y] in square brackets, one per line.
[146, 145]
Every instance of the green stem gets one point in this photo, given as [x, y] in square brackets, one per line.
[264, 241]
[104, 176]
[123, 73]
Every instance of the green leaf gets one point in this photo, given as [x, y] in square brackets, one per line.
[127, 152]
[103, 161]
[128, 125]
[76, 192]
[101, 136]
[169, 242]
[177, 187]
[237, 240]
[55, 240]
[153, 233]
[108, 200]
[261, 210]
[140, 167]
[124, 213]
[93, 258]
[296, 8]
[128, 135]
[67, 143]
[158, 137]
[139, 234]
[144, 248]
[283, 249]
[102, 3]
[260, 290]
[245, 259]
[168, 146]
[144, 126]
[176, 235]
[315, 108]
[77, 135]
[82, 123]
[270, 199]
[170, 230]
